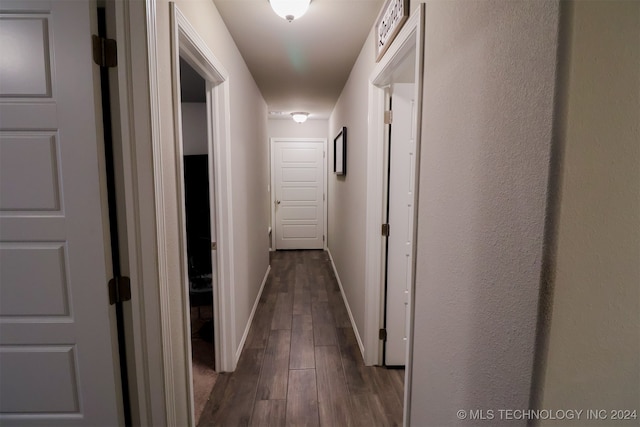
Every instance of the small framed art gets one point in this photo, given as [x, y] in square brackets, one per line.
[340, 152]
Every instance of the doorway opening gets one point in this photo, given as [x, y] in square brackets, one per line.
[398, 204]
[204, 196]
[395, 94]
[200, 233]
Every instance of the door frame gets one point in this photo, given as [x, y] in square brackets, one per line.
[410, 38]
[272, 146]
[186, 43]
[391, 104]
[135, 120]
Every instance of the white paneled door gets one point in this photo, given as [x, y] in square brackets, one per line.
[401, 195]
[299, 193]
[56, 353]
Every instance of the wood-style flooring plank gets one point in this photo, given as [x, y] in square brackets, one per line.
[382, 385]
[275, 366]
[302, 350]
[269, 413]
[397, 379]
[232, 401]
[301, 302]
[301, 292]
[324, 330]
[318, 289]
[367, 411]
[261, 325]
[283, 311]
[355, 371]
[302, 400]
[333, 395]
[340, 314]
[324, 376]
[217, 400]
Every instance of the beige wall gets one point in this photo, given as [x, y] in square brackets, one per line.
[593, 357]
[248, 168]
[347, 194]
[489, 82]
[287, 128]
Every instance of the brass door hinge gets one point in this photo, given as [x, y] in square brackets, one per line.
[388, 117]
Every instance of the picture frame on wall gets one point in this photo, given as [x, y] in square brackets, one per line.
[340, 152]
[392, 16]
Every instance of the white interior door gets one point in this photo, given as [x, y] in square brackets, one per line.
[299, 194]
[56, 349]
[401, 198]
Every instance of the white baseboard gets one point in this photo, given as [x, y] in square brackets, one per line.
[253, 312]
[346, 303]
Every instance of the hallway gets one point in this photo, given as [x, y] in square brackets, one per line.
[301, 364]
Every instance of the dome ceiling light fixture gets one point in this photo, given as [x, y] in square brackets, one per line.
[290, 9]
[299, 116]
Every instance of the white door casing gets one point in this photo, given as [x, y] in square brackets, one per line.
[409, 41]
[57, 355]
[187, 44]
[298, 175]
[401, 160]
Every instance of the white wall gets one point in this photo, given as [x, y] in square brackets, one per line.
[593, 357]
[486, 140]
[194, 128]
[287, 128]
[248, 152]
[347, 194]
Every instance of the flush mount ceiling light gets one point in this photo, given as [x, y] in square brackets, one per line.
[290, 9]
[299, 116]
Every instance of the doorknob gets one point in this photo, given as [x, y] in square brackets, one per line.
[277, 202]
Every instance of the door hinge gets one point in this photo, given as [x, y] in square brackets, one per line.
[323, 238]
[105, 51]
[388, 117]
[382, 334]
[385, 230]
[214, 246]
[323, 197]
[119, 289]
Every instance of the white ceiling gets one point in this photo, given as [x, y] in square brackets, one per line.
[302, 65]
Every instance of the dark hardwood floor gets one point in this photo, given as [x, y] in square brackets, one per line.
[301, 365]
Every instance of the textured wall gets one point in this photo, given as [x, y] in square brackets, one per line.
[347, 194]
[594, 343]
[489, 85]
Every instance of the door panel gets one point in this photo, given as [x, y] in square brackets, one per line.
[59, 393]
[401, 196]
[56, 351]
[41, 264]
[299, 190]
